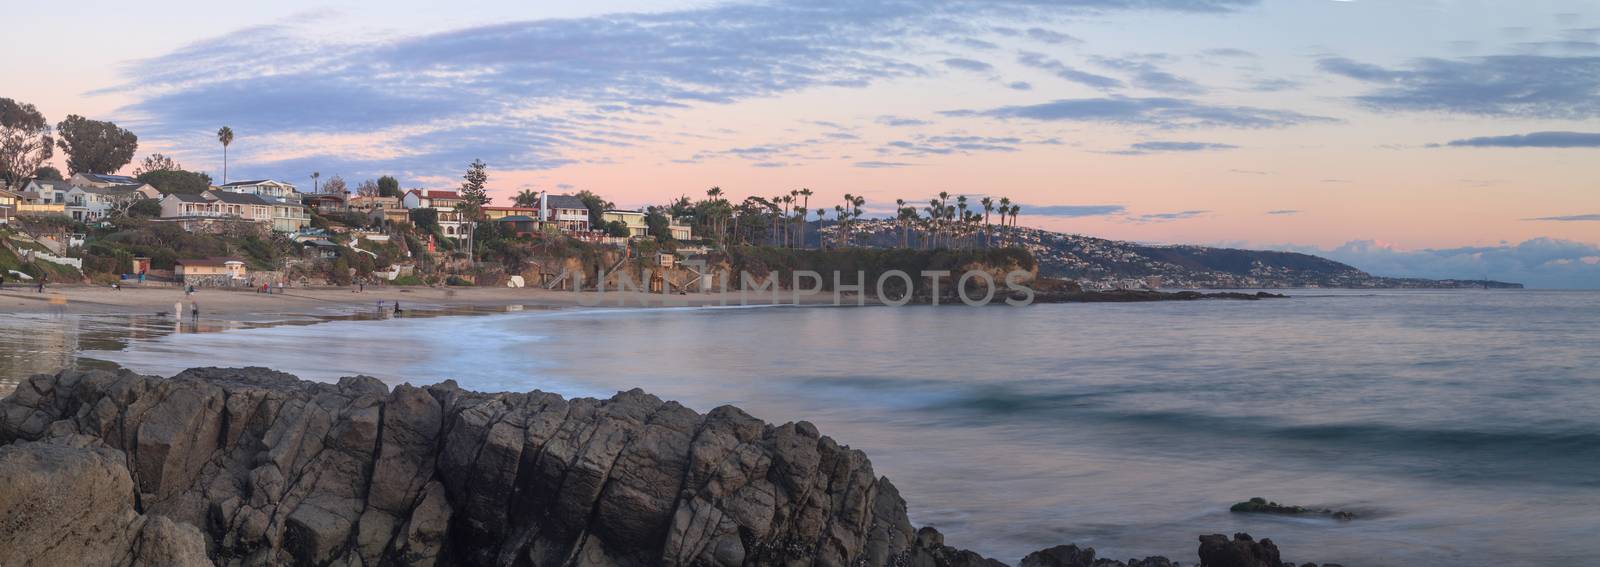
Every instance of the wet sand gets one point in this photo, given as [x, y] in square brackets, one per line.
[296, 303]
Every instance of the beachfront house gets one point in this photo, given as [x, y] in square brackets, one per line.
[90, 204]
[275, 191]
[567, 212]
[209, 271]
[519, 225]
[634, 220]
[451, 221]
[290, 217]
[214, 209]
[328, 202]
[679, 230]
[101, 180]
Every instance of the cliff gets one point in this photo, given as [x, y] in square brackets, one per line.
[255, 467]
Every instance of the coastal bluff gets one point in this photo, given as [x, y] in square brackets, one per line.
[248, 466]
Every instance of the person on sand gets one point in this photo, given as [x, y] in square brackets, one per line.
[397, 309]
[177, 311]
[42, 279]
[2, 281]
[194, 310]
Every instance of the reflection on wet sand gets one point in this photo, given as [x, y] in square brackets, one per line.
[41, 343]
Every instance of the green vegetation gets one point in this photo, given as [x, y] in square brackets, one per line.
[95, 146]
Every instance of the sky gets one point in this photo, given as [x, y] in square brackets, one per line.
[1431, 138]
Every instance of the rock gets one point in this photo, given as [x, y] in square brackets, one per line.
[1263, 506]
[1217, 550]
[248, 466]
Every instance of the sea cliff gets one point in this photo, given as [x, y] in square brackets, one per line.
[255, 467]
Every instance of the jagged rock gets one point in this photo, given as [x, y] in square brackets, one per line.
[1216, 550]
[1263, 506]
[255, 467]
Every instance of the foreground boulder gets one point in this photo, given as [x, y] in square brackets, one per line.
[255, 467]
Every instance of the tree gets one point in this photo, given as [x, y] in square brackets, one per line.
[47, 173]
[618, 229]
[388, 187]
[95, 146]
[527, 198]
[25, 142]
[335, 185]
[988, 207]
[658, 223]
[314, 187]
[425, 219]
[805, 209]
[225, 135]
[156, 162]
[368, 188]
[597, 207]
[474, 190]
[176, 181]
[145, 208]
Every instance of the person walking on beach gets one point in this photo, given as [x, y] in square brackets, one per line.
[141, 277]
[42, 279]
[177, 311]
[194, 311]
[2, 281]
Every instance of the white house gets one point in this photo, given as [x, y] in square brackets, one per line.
[198, 210]
[89, 204]
[46, 192]
[264, 188]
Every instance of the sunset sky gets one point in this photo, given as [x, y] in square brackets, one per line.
[1441, 138]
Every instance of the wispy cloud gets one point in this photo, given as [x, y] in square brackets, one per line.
[1528, 86]
[882, 164]
[1142, 148]
[1147, 74]
[1167, 217]
[1284, 212]
[1073, 211]
[965, 64]
[1570, 218]
[1160, 112]
[1533, 140]
[1056, 67]
[572, 84]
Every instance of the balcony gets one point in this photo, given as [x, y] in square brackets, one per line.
[41, 208]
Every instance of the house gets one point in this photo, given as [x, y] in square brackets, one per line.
[322, 248]
[373, 203]
[101, 180]
[8, 205]
[268, 189]
[634, 220]
[680, 231]
[209, 271]
[290, 217]
[520, 225]
[205, 210]
[149, 191]
[327, 202]
[47, 192]
[451, 221]
[497, 213]
[90, 204]
[567, 212]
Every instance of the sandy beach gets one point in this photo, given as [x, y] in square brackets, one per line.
[248, 305]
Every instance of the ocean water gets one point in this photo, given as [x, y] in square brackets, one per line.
[1461, 427]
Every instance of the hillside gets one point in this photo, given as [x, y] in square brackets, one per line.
[1102, 263]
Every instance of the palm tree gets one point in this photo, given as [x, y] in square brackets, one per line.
[314, 187]
[1014, 210]
[225, 135]
[988, 206]
[805, 207]
[526, 198]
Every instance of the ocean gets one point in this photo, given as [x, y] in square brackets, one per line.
[1460, 427]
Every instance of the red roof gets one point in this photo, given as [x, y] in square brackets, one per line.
[443, 195]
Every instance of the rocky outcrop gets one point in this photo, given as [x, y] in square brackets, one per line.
[255, 467]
